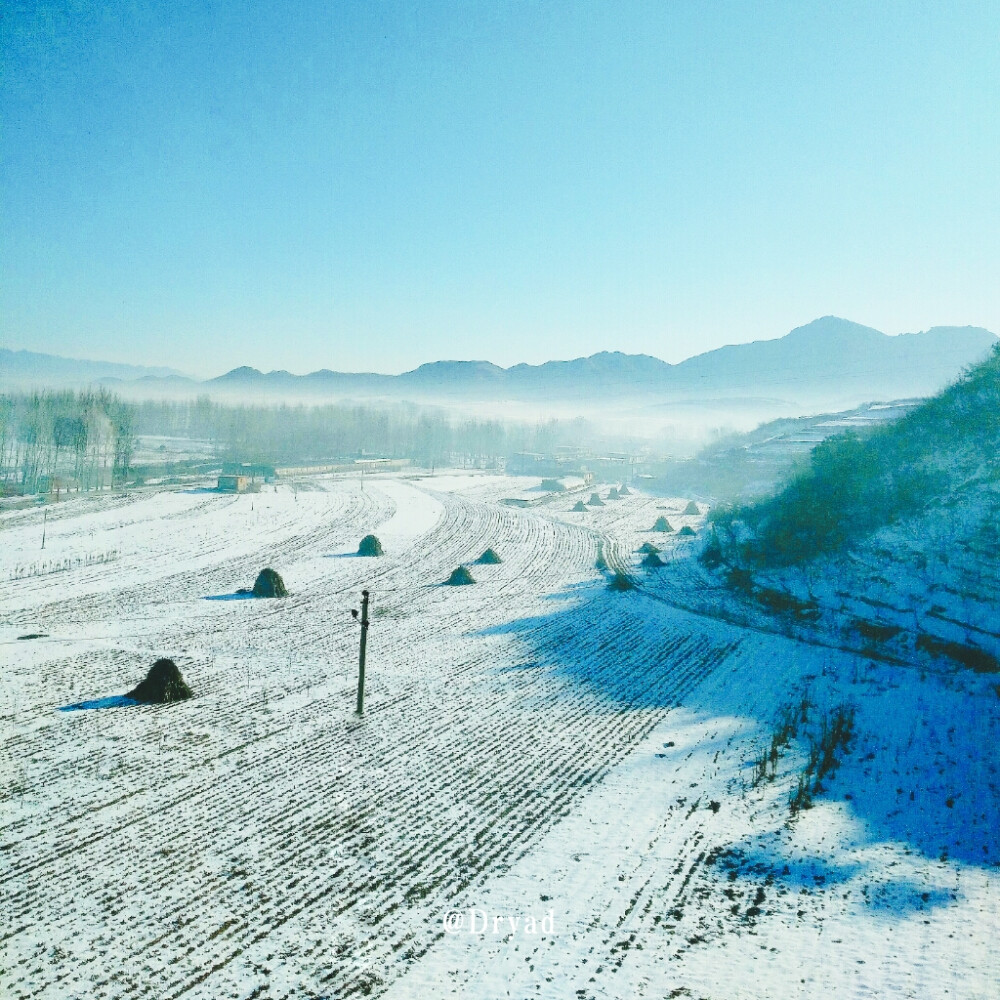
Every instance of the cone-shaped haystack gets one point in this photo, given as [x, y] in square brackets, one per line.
[621, 582]
[662, 524]
[612, 494]
[648, 547]
[652, 561]
[163, 684]
[692, 508]
[624, 491]
[370, 546]
[686, 530]
[269, 584]
[460, 577]
[579, 506]
[489, 558]
[595, 500]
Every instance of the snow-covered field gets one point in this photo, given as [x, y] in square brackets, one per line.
[567, 771]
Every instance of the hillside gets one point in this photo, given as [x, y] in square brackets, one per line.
[889, 537]
[858, 483]
[746, 466]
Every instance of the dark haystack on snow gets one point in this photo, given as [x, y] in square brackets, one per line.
[612, 494]
[489, 558]
[624, 491]
[460, 577]
[686, 530]
[652, 561]
[163, 684]
[579, 506]
[370, 546]
[692, 508]
[595, 500]
[621, 582]
[662, 524]
[269, 584]
[648, 547]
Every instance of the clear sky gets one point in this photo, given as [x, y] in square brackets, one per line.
[368, 186]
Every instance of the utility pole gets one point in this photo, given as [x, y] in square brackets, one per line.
[45, 521]
[361, 657]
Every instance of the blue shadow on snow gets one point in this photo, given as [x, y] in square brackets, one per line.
[643, 653]
[116, 701]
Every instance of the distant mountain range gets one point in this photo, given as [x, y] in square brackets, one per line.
[830, 361]
[27, 367]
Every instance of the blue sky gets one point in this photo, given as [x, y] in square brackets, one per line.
[368, 186]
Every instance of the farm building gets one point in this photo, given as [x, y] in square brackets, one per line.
[232, 484]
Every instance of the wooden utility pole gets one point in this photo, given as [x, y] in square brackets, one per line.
[45, 521]
[361, 657]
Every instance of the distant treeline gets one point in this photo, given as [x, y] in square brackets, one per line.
[87, 440]
[52, 440]
[300, 434]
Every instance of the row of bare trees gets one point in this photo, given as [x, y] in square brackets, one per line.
[280, 434]
[51, 441]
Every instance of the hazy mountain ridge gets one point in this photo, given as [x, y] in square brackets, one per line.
[828, 361]
[54, 369]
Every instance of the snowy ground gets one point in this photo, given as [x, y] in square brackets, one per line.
[568, 770]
